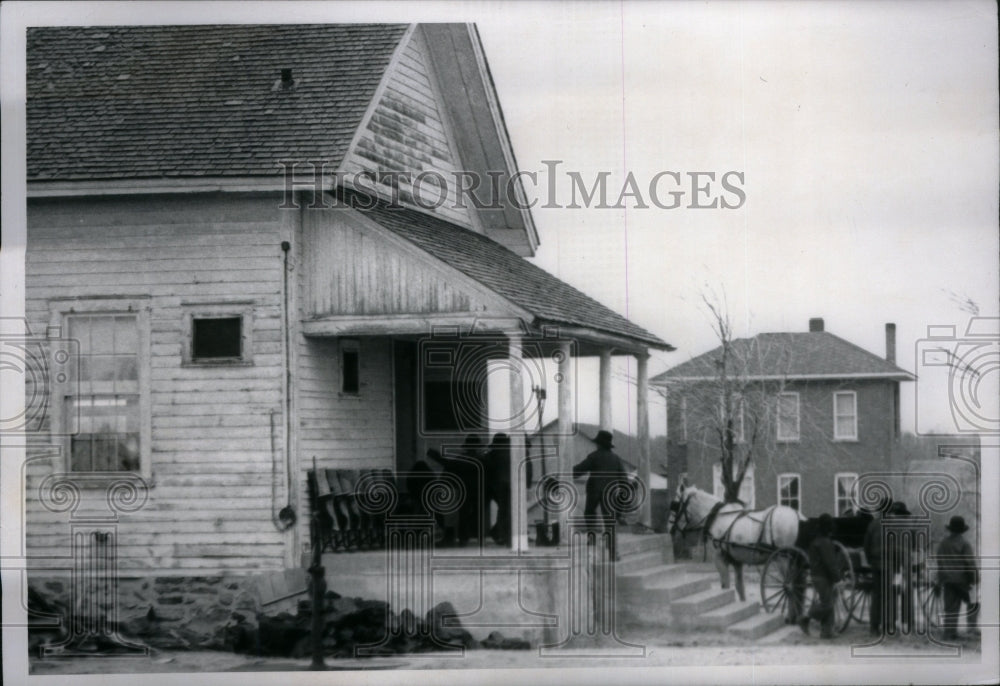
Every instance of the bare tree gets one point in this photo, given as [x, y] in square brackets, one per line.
[731, 404]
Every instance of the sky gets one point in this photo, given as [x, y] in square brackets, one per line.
[867, 138]
[863, 137]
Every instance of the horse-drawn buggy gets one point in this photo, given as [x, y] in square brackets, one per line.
[778, 538]
[784, 579]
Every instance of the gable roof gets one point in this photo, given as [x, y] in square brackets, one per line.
[798, 355]
[503, 272]
[175, 101]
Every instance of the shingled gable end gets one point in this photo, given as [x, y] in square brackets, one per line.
[231, 335]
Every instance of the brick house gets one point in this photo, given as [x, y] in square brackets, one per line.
[828, 411]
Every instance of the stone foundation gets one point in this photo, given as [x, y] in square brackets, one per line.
[165, 612]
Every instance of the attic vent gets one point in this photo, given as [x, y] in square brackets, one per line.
[286, 78]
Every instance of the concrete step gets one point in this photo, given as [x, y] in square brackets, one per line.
[781, 634]
[758, 625]
[639, 561]
[665, 591]
[642, 578]
[631, 544]
[732, 613]
[701, 602]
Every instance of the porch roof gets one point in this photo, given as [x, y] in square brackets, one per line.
[510, 276]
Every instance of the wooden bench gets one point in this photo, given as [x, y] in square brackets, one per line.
[344, 508]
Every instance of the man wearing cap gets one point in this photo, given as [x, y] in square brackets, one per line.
[607, 471]
[956, 574]
[825, 570]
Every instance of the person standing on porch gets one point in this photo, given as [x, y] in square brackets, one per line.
[498, 486]
[956, 575]
[607, 471]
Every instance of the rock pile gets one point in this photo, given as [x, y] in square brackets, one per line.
[352, 627]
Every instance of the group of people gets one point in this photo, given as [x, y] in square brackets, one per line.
[955, 575]
[484, 475]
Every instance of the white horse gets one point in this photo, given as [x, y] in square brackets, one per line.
[740, 536]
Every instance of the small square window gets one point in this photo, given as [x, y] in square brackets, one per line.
[216, 338]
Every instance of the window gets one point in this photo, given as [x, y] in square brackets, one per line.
[738, 416]
[104, 406]
[216, 338]
[845, 485]
[790, 491]
[845, 416]
[101, 404]
[350, 367]
[788, 416]
[218, 333]
[746, 486]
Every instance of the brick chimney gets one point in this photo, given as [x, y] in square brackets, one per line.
[815, 324]
[890, 343]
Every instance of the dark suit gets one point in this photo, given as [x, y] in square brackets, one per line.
[956, 577]
[606, 472]
[825, 571]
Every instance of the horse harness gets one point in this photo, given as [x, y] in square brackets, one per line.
[723, 542]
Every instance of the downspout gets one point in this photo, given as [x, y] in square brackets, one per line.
[286, 516]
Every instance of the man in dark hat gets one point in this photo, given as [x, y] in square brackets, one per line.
[901, 558]
[498, 486]
[825, 569]
[607, 472]
[956, 575]
[876, 562]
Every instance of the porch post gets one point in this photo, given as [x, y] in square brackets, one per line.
[642, 428]
[565, 457]
[518, 499]
[605, 416]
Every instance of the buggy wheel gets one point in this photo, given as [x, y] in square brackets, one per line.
[783, 583]
[932, 607]
[845, 592]
[862, 598]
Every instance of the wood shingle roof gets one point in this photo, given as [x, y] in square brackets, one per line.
[142, 102]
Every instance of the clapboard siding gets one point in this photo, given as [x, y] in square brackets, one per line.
[353, 272]
[214, 454]
[407, 132]
[337, 430]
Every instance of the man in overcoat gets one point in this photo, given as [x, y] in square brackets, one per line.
[825, 570]
[956, 575]
[607, 472]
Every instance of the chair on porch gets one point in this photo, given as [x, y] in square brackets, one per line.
[346, 506]
[321, 506]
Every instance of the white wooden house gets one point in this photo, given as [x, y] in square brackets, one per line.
[230, 323]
